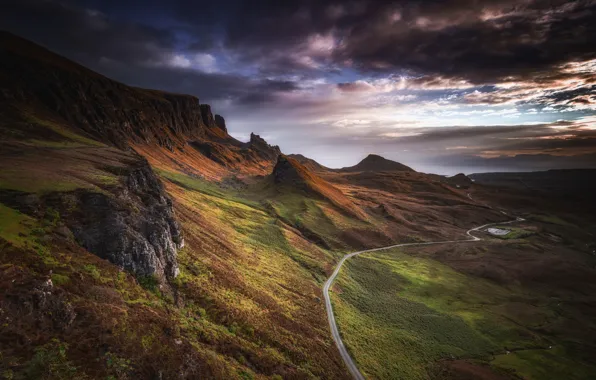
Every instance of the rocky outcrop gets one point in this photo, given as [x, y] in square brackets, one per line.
[36, 301]
[460, 180]
[289, 171]
[257, 143]
[207, 115]
[220, 122]
[133, 228]
[132, 224]
[292, 175]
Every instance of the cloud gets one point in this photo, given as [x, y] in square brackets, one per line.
[437, 79]
[134, 53]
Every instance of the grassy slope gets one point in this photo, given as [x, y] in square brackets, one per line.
[400, 314]
[250, 287]
[249, 284]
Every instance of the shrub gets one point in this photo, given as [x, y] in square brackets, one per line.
[50, 362]
[118, 368]
[59, 279]
[93, 271]
[149, 283]
[51, 216]
[245, 375]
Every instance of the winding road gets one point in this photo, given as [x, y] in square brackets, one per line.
[331, 317]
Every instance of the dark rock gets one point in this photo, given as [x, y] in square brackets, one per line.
[285, 172]
[207, 115]
[40, 301]
[133, 227]
[259, 144]
[220, 122]
[460, 180]
[63, 232]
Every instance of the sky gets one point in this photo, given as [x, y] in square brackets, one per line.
[443, 86]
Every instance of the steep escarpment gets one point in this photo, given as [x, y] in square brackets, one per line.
[259, 145]
[46, 95]
[36, 80]
[255, 156]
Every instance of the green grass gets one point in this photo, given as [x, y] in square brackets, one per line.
[20, 180]
[17, 180]
[73, 139]
[150, 283]
[514, 233]
[51, 362]
[205, 187]
[551, 219]
[15, 227]
[60, 279]
[93, 271]
[399, 315]
[546, 364]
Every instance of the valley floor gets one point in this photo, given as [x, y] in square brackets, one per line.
[479, 310]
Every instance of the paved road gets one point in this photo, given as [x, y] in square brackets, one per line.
[335, 333]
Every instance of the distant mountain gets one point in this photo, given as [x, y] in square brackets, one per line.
[460, 180]
[375, 163]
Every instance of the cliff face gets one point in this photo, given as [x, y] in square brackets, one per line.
[131, 223]
[104, 109]
[134, 229]
[258, 145]
[289, 171]
[36, 82]
[220, 122]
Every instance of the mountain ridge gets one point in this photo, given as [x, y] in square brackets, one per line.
[38, 84]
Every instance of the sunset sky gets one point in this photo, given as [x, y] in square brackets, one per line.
[442, 86]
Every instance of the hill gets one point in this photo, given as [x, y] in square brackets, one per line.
[375, 163]
[291, 174]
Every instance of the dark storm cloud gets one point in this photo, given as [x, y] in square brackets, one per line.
[133, 53]
[483, 41]
[481, 50]
[83, 34]
[480, 148]
[515, 139]
[208, 87]
[479, 41]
